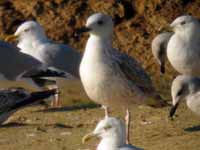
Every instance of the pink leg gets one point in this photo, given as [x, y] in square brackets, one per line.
[56, 101]
[127, 119]
[106, 111]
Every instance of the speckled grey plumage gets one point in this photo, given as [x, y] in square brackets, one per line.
[112, 78]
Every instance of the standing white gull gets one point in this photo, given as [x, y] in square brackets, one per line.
[159, 48]
[33, 41]
[112, 133]
[111, 78]
[12, 100]
[185, 87]
[183, 50]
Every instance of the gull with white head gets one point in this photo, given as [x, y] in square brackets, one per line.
[112, 133]
[159, 48]
[34, 42]
[111, 78]
[183, 50]
[188, 88]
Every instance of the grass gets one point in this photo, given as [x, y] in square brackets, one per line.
[62, 129]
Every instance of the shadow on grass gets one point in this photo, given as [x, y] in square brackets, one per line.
[71, 108]
[193, 129]
[15, 125]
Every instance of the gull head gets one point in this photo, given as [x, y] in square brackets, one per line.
[184, 23]
[182, 87]
[99, 24]
[29, 30]
[108, 128]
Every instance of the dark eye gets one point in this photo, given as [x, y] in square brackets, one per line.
[183, 22]
[26, 30]
[100, 22]
[180, 92]
[107, 127]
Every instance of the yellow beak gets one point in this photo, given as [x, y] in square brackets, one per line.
[88, 137]
[11, 38]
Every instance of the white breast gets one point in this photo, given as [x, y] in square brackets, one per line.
[183, 56]
[101, 78]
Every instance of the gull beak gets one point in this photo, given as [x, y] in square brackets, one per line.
[83, 30]
[11, 38]
[173, 110]
[162, 68]
[87, 137]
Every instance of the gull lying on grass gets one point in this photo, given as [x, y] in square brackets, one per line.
[12, 100]
[159, 48]
[183, 50]
[33, 42]
[188, 88]
[112, 133]
[111, 78]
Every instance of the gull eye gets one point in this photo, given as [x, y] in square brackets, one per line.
[100, 22]
[180, 92]
[183, 22]
[107, 127]
[26, 30]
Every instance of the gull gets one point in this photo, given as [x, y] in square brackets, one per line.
[159, 48]
[33, 41]
[109, 77]
[15, 65]
[112, 133]
[183, 50]
[13, 99]
[186, 87]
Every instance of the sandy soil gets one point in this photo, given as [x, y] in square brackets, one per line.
[62, 129]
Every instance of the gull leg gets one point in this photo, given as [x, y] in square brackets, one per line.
[106, 111]
[127, 119]
[56, 101]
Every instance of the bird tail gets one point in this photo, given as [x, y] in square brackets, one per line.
[35, 97]
[157, 101]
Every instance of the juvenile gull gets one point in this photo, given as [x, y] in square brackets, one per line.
[112, 133]
[111, 78]
[33, 41]
[12, 100]
[188, 88]
[183, 50]
[159, 48]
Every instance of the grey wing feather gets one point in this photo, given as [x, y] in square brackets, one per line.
[10, 97]
[133, 71]
[62, 57]
[13, 62]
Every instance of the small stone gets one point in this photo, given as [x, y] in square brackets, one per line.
[65, 133]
